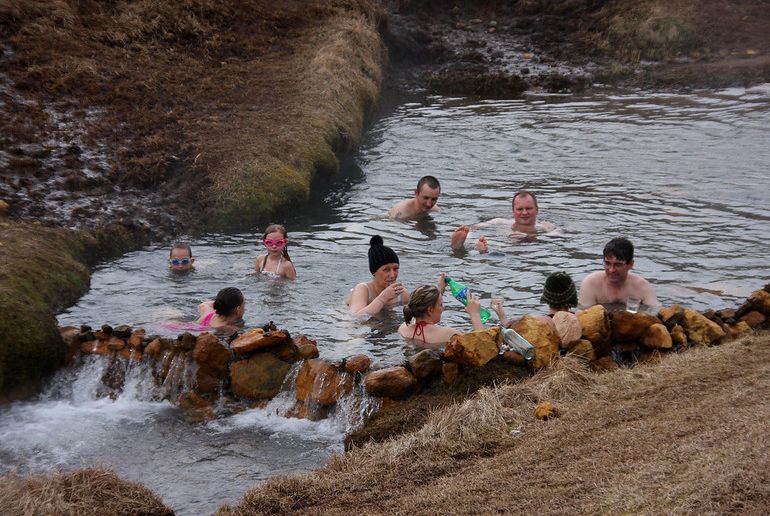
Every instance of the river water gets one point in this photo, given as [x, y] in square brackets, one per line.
[684, 176]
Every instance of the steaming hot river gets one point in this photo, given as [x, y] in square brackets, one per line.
[684, 176]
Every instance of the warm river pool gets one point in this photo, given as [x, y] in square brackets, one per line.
[684, 176]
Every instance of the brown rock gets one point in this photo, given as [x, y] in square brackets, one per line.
[760, 301]
[596, 328]
[726, 314]
[212, 356]
[393, 382]
[136, 339]
[259, 377]
[311, 411]
[515, 358]
[604, 364]
[357, 364]
[206, 383]
[545, 410]
[475, 348]
[307, 347]
[671, 315]
[678, 336]
[321, 382]
[567, 328]
[733, 331]
[450, 371]
[95, 347]
[542, 337]
[425, 364]
[287, 351]
[657, 337]
[130, 354]
[115, 375]
[71, 337]
[195, 406]
[629, 327]
[185, 342]
[700, 330]
[754, 319]
[256, 339]
[583, 349]
[153, 349]
[116, 344]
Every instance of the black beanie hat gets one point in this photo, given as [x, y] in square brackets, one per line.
[379, 254]
[559, 290]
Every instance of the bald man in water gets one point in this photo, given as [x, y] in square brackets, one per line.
[525, 223]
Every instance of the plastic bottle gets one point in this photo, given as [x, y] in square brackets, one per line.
[460, 292]
[512, 341]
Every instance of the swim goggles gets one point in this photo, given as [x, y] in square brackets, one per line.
[176, 262]
[275, 243]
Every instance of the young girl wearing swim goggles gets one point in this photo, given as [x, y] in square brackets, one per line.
[277, 261]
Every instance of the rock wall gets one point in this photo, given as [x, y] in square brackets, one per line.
[253, 367]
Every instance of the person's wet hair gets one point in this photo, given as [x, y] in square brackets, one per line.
[524, 193]
[621, 248]
[431, 181]
[183, 246]
[421, 299]
[227, 300]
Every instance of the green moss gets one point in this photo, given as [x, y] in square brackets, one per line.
[43, 270]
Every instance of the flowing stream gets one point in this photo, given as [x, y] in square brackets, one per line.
[684, 176]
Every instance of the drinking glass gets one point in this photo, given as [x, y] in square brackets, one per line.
[632, 304]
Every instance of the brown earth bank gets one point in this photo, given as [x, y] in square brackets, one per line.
[502, 48]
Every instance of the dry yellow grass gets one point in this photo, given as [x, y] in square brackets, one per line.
[85, 492]
[686, 436]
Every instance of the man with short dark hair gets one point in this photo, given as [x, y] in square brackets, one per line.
[616, 283]
[424, 201]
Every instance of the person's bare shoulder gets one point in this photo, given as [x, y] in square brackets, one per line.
[400, 210]
[589, 288]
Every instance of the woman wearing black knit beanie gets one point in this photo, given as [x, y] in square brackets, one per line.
[383, 290]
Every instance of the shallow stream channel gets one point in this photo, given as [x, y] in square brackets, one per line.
[684, 176]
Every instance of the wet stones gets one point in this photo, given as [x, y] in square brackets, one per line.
[474, 348]
[657, 337]
[322, 383]
[258, 377]
[700, 330]
[595, 323]
[257, 339]
[425, 364]
[542, 336]
[393, 382]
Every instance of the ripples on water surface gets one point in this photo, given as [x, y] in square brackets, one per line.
[683, 176]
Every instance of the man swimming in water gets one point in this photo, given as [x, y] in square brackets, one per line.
[525, 223]
[616, 283]
[424, 201]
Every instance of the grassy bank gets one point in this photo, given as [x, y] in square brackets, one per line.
[221, 112]
[682, 436]
[84, 492]
[43, 270]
